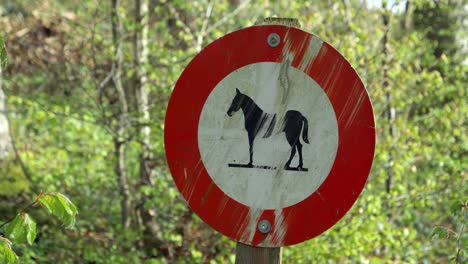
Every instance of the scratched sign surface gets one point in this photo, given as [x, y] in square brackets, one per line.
[282, 134]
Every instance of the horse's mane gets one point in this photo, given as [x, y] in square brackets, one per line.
[246, 97]
[249, 102]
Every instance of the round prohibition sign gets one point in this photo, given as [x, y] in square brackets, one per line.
[245, 180]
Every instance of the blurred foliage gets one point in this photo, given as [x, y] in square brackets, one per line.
[60, 51]
[13, 180]
[22, 228]
[6, 253]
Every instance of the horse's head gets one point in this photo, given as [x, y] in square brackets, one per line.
[236, 103]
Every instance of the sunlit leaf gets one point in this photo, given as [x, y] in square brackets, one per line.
[7, 255]
[22, 229]
[60, 206]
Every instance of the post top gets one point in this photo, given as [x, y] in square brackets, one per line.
[285, 21]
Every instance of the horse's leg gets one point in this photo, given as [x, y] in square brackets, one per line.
[299, 149]
[251, 139]
[293, 152]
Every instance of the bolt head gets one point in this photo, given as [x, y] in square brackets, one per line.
[264, 226]
[273, 40]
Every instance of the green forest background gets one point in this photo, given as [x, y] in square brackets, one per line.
[86, 84]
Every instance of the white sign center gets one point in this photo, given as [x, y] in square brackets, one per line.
[252, 138]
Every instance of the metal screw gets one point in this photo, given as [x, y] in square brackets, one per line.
[264, 226]
[273, 40]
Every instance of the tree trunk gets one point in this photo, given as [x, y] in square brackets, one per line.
[9, 157]
[5, 139]
[121, 135]
[407, 19]
[120, 170]
[151, 228]
[390, 109]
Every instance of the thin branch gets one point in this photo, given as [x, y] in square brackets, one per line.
[460, 243]
[96, 102]
[347, 14]
[33, 203]
[448, 229]
[202, 32]
[18, 158]
[171, 64]
[106, 80]
[132, 121]
[23, 166]
[225, 19]
[187, 29]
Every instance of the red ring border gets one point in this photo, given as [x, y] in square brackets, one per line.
[353, 109]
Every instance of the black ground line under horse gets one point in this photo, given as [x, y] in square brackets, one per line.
[256, 119]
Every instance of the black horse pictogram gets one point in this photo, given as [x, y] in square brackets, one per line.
[257, 120]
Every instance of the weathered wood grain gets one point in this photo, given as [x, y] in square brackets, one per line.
[246, 254]
[290, 22]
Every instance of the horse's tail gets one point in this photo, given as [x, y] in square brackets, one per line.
[305, 130]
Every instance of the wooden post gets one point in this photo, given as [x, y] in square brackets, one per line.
[246, 254]
[290, 22]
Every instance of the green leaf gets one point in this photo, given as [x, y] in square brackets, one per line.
[3, 53]
[22, 229]
[456, 207]
[60, 206]
[7, 255]
[441, 233]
